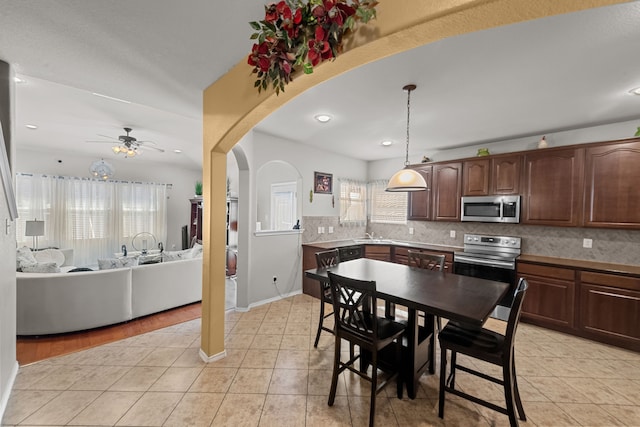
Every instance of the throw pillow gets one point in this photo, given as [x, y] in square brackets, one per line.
[196, 250]
[176, 255]
[111, 263]
[41, 267]
[24, 258]
[50, 255]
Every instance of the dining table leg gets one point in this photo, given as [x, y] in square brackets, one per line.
[420, 352]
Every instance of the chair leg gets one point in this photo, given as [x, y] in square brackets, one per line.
[523, 416]
[374, 387]
[315, 344]
[400, 365]
[443, 375]
[454, 363]
[507, 373]
[336, 370]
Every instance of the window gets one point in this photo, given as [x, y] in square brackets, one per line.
[386, 207]
[283, 205]
[353, 199]
[95, 218]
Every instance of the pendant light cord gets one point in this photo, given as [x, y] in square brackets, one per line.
[408, 88]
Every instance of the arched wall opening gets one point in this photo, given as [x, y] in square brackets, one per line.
[232, 106]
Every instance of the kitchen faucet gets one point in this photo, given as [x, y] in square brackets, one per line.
[370, 236]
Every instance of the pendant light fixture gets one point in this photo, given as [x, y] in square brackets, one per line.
[407, 179]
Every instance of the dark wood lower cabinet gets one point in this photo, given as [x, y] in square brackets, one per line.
[601, 306]
[550, 300]
[610, 308]
[379, 252]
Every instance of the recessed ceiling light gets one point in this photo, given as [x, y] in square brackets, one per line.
[111, 98]
[635, 91]
[323, 118]
[386, 143]
[31, 126]
[19, 80]
[177, 151]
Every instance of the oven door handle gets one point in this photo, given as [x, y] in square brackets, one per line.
[491, 263]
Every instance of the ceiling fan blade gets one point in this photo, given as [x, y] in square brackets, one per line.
[103, 142]
[146, 142]
[109, 137]
[153, 148]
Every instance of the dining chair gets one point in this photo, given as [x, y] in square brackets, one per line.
[356, 321]
[420, 260]
[325, 259]
[491, 347]
[428, 262]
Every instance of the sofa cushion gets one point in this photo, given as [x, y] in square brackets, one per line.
[79, 269]
[50, 255]
[41, 267]
[24, 258]
[111, 263]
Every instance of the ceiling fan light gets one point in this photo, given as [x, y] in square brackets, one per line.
[407, 180]
[116, 149]
[131, 152]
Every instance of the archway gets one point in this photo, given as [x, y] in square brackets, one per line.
[232, 107]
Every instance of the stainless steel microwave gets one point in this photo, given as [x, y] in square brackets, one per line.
[491, 209]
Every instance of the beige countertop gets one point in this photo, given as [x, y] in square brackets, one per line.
[384, 242]
[605, 267]
[581, 264]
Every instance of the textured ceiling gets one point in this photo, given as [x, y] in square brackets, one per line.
[531, 78]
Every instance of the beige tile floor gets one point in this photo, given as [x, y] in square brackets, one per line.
[272, 376]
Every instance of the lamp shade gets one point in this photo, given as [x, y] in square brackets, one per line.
[407, 180]
[34, 228]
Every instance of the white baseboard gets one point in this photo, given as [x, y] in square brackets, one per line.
[209, 359]
[267, 301]
[7, 391]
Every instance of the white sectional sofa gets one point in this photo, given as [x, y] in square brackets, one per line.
[52, 303]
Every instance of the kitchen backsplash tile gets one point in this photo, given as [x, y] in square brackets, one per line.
[616, 246]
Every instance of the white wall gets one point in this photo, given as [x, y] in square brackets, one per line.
[280, 255]
[8, 363]
[182, 180]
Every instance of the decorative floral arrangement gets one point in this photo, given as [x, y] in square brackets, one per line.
[298, 33]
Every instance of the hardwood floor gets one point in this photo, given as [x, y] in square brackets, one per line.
[33, 349]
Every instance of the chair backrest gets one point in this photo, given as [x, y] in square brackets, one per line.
[352, 302]
[426, 261]
[327, 258]
[514, 314]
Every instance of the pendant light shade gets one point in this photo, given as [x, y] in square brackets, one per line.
[407, 179]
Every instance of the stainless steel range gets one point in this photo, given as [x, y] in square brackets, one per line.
[493, 258]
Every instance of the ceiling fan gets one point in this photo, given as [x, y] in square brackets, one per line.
[128, 145]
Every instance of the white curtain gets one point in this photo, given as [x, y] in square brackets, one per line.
[93, 217]
[353, 202]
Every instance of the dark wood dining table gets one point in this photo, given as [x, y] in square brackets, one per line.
[451, 296]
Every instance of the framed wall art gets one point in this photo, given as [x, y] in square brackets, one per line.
[322, 183]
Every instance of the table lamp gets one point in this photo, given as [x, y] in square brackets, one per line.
[34, 229]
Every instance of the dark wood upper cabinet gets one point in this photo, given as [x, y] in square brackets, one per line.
[497, 175]
[505, 174]
[447, 191]
[419, 204]
[553, 183]
[612, 176]
[476, 177]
